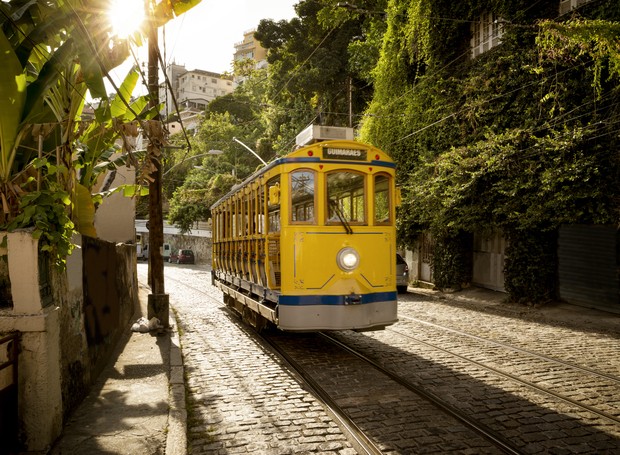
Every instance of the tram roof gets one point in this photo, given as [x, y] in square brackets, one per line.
[342, 152]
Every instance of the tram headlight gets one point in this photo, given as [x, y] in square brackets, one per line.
[348, 259]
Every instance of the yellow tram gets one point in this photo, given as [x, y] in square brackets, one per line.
[309, 243]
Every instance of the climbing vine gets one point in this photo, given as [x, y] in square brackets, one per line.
[520, 139]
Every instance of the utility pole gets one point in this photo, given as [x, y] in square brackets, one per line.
[158, 300]
[350, 90]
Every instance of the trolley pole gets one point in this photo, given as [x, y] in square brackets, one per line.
[158, 300]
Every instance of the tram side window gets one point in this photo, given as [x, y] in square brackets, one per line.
[226, 221]
[252, 214]
[234, 218]
[382, 199]
[261, 210]
[217, 224]
[302, 196]
[273, 211]
[345, 194]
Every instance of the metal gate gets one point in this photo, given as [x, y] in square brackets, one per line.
[488, 267]
[427, 246]
[9, 426]
[589, 266]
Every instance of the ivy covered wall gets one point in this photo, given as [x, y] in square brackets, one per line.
[522, 138]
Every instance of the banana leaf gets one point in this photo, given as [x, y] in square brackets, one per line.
[84, 211]
[12, 100]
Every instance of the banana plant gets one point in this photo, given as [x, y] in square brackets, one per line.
[47, 68]
[49, 62]
[53, 52]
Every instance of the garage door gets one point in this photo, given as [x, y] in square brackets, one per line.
[588, 266]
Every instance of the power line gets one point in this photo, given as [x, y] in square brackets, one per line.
[303, 63]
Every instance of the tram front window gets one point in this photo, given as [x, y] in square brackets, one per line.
[302, 196]
[345, 194]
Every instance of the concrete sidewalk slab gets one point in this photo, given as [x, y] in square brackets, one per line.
[133, 408]
[559, 312]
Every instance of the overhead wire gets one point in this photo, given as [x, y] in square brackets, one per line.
[489, 100]
[448, 64]
[298, 68]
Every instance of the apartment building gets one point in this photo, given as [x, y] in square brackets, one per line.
[250, 49]
[192, 89]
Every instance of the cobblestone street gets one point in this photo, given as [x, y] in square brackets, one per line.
[242, 399]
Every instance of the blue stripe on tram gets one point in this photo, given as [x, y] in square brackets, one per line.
[300, 300]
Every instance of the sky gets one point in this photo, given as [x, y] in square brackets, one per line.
[204, 37]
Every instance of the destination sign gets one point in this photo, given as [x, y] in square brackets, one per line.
[331, 153]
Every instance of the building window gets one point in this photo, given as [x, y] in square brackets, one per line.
[486, 33]
[567, 5]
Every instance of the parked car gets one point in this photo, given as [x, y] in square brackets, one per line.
[166, 251]
[142, 252]
[402, 274]
[182, 257]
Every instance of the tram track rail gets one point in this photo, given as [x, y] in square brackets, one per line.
[535, 387]
[363, 442]
[359, 440]
[357, 437]
[492, 436]
[507, 346]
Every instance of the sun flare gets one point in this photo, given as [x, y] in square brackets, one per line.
[125, 16]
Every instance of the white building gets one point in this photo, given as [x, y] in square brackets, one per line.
[250, 50]
[193, 90]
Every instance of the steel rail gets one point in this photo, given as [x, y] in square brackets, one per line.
[517, 349]
[490, 435]
[512, 377]
[362, 443]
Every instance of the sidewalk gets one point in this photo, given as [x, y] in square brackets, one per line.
[137, 405]
[564, 313]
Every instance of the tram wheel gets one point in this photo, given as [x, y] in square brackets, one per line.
[249, 317]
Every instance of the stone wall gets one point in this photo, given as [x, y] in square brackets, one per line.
[201, 246]
[59, 359]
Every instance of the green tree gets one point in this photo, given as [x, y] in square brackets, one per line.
[191, 191]
[315, 75]
[191, 201]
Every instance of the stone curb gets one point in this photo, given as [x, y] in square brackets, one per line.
[176, 441]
